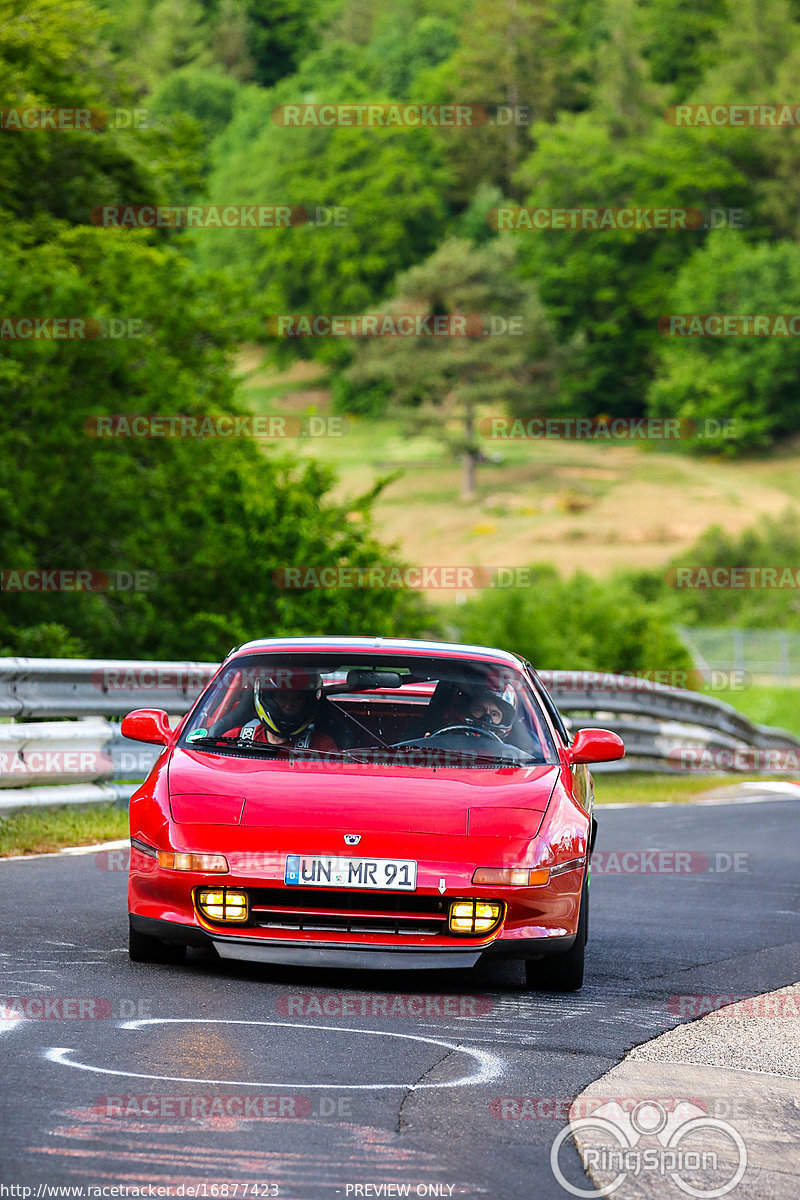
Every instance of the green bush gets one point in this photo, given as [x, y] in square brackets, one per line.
[576, 624]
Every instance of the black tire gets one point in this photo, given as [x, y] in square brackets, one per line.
[145, 949]
[562, 972]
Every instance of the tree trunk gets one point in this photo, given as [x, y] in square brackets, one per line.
[471, 455]
[469, 487]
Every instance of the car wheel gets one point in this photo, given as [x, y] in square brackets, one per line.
[562, 972]
[145, 949]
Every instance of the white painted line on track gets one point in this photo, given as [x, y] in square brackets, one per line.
[778, 789]
[489, 1065]
[691, 1062]
[120, 844]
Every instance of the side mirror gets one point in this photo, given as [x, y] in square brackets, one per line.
[596, 745]
[147, 725]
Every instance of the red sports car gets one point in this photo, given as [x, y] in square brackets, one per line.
[367, 802]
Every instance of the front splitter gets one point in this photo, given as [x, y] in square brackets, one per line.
[343, 956]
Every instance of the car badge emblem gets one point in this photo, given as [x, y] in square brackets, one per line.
[442, 884]
[352, 839]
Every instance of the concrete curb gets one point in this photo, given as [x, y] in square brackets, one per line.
[739, 1065]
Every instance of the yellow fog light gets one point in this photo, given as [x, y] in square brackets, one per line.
[474, 916]
[223, 904]
[511, 876]
[180, 861]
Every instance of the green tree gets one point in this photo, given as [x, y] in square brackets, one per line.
[208, 521]
[680, 40]
[389, 182]
[749, 381]
[437, 380]
[230, 41]
[279, 35]
[207, 95]
[50, 56]
[608, 288]
[513, 59]
[406, 44]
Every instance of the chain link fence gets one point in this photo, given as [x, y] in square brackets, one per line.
[768, 656]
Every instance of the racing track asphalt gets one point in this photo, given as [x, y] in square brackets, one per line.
[652, 937]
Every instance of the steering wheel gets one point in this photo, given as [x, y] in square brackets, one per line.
[472, 730]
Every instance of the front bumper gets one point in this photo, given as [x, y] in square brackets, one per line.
[355, 956]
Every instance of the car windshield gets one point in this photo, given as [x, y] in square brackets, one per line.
[405, 710]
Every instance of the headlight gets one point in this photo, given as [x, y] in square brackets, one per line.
[474, 916]
[512, 876]
[223, 904]
[180, 861]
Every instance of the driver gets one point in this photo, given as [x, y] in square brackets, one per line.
[286, 717]
[482, 708]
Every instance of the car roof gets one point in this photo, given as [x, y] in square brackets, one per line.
[380, 645]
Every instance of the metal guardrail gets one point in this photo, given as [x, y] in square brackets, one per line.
[66, 687]
[85, 759]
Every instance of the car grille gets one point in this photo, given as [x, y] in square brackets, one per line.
[312, 909]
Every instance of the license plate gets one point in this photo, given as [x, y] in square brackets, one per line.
[387, 874]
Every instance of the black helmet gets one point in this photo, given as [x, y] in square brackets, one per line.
[501, 717]
[287, 720]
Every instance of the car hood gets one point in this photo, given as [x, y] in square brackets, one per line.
[302, 794]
